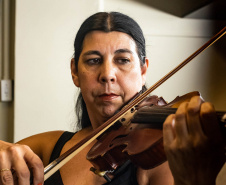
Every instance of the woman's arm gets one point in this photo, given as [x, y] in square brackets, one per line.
[17, 160]
[42, 144]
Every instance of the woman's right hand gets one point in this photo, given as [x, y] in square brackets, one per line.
[17, 163]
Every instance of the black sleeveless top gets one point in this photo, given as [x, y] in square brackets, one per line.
[125, 175]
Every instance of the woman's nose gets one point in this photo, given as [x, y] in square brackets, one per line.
[107, 73]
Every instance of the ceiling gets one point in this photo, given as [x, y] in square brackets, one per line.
[200, 9]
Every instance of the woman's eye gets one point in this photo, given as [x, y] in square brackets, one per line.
[123, 60]
[93, 61]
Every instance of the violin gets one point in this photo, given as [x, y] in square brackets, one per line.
[140, 140]
[131, 124]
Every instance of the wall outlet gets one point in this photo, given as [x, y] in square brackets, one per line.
[6, 90]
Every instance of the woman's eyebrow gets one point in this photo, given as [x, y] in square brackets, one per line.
[95, 52]
[92, 52]
[123, 51]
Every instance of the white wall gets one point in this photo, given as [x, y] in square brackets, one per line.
[44, 92]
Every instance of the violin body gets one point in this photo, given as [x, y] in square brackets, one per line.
[141, 140]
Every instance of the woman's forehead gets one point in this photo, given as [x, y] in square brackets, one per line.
[111, 40]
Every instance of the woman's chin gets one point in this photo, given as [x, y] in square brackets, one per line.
[108, 112]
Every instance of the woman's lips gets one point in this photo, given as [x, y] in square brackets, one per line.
[108, 97]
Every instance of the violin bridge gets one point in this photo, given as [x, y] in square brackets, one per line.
[128, 116]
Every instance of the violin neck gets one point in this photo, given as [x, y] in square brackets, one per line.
[155, 117]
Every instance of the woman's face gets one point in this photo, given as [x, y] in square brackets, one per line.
[109, 73]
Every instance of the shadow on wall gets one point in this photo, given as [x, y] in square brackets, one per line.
[216, 74]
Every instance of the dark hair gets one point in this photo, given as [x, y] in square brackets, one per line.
[106, 22]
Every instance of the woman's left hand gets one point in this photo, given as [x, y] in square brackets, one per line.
[193, 143]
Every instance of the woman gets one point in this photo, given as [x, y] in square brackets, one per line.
[109, 67]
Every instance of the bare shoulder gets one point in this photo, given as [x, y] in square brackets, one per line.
[156, 176]
[42, 144]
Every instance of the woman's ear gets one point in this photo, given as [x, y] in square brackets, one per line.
[74, 73]
[144, 69]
